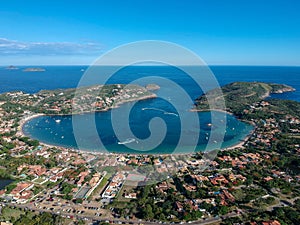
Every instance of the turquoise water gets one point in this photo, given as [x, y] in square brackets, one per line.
[48, 131]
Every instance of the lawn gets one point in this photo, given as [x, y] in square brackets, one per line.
[8, 213]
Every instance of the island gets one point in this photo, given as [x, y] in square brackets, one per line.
[34, 69]
[256, 183]
[11, 67]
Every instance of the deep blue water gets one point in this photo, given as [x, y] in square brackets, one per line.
[68, 76]
[47, 130]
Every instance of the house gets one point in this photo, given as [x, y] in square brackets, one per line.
[268, 178]
[219, 179]
[178, 206]
[271, 222]
[162, 186]
[6, 223]
[22, 186]
[130, 195]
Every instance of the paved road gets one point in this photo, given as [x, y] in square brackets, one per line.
[116, 221]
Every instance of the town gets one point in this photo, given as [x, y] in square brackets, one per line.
[257, 182]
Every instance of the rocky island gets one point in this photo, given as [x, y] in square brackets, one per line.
[11, 67]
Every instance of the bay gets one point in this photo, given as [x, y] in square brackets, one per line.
[48, 131]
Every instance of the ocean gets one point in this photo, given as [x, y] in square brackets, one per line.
[68, 77]
[47, 130]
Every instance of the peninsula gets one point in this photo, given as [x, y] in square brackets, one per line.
[239, 96]
[74, 101]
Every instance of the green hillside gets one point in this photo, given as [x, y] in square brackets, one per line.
[239, 95]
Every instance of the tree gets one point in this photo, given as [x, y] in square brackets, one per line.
[196, 214]
[147, 212]
[187, 216]
[162, 217]
[223, 210]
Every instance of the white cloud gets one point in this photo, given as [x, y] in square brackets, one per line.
[13, 47]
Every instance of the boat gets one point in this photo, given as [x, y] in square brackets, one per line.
[127, 141]
[57, 121]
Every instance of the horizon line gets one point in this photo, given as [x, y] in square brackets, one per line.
[87, 65]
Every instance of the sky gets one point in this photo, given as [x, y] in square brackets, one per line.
[221, 32]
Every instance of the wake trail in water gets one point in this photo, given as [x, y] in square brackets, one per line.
[161, 110]
[127, 141]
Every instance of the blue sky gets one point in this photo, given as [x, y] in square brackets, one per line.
[230, 32]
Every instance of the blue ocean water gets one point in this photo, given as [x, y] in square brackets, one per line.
[47, 130]
[68, 76]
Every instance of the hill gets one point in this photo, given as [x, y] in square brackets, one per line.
[239, 95]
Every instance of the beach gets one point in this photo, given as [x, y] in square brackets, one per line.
[24, 120]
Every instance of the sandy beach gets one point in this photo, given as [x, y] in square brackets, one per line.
[30, 117]
[24, 120]
[242, 142]
[238, 145]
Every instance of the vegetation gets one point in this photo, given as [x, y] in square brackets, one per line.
[257, 186]
[239, 95]
[21, 217]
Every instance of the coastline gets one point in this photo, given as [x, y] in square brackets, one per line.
[209, 110]
[238, 145]
[104, 152]
[242, 142]
[25, 119]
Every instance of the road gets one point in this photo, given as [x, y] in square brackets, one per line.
[118, 221]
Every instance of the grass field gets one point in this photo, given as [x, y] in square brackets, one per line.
[7, 213]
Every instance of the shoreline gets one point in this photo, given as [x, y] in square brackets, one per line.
[25, 119]
[209, 110]
[240, 144]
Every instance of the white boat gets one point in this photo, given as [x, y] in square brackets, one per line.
[57, 121]
[127, 141]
